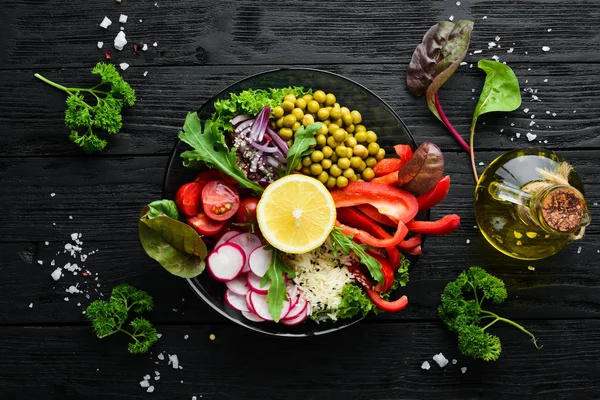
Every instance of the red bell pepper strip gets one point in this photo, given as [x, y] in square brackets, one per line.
[404, 151]
[442, 226]
[350, 215]
[415, 251]
[367, 238]
[372, 213]
[398, 204]
[388, 275]
[387, 166]
[410, 243]
[435, 195]
[389, 306]
[390, 179]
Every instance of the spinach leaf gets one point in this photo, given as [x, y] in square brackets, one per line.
[210, 147]
[277, 293]
[174, 244]
[303, 140]
[500, 93]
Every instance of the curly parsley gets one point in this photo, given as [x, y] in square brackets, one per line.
[85, 119]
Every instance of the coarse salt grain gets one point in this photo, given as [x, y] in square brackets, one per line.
[30, 305]
[174, 361]
[123, 18]
[477, 51]
[150, 389]
[531, 267]
[440, 360]
[451, 18]
[454, 361]
[463, 369]
[160, 356]
[56, 274]
[579, 250]
[497, 38]
[481, 163]
[458, 3]
[425, 365]
[40, 262]
[100, 44]
[531, 136]
[144, 383]
[120, 41]
[145, 73]
[510, 50]
[52, 194]
[145, 47]
[545, 48]
[105, 23]
[468, 241]
[155, 44]
[518, 134]
[186, 337]
[526, 110]
[124, 66]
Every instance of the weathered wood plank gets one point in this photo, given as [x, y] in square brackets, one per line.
[216, 32]
[70, 363]
[32, 123]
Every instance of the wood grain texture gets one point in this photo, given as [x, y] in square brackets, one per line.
[375, 361]
[32, 122]
[240, 32]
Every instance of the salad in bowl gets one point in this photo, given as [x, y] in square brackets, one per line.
[303, 196]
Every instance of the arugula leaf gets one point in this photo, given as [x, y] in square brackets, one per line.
[210, 147]
[303, 140]
[500, 92]
[346, 244]
[277, 293]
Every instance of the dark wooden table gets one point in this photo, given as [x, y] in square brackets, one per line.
[49, 190]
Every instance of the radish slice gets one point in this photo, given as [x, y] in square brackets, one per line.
[259, 261]
[249, 303]
[254, 284]
[247, 242]
[239, 285]
[226, 262]
[236, 301]
[252, 317]
[293, 293]
[226, 236]
[260, 306]
[295, 321]
[298, 309]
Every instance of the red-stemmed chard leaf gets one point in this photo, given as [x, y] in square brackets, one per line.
[422, 172]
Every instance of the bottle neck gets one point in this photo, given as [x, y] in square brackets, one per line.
[559, 209]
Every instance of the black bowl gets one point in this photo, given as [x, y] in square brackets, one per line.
[377, 115]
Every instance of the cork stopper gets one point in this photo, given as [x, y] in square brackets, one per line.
[563, 210]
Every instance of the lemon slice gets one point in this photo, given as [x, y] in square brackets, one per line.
[296, 213]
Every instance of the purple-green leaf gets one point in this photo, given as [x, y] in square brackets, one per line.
[422, 172]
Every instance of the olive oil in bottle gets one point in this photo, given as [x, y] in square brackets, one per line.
[530, 204]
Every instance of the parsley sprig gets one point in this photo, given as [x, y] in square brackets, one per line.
[108, 317]
[103, 113]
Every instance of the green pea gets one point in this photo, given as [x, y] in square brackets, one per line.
[373, 149]
[360, 136]
[321, 140]
[316, 169]
[331, 142]
[300, 103]
[286, 133]
[341, 150]
[326, 163]
[370, 162]
[367, 174]
[323, 130]
[342, 181]
[343, 163]
[354, 178]
[323, 177]
[360, 128]
[313, 106]
[332, 128]
[296, 126]
[331, 182]
[380, 154]
[319, 96]
[340, 135]
[330, 99]
[289, 120]
[335, 170]
[371, 137]
[347, 118]
[298, 113]
[323, 114]
[307, 119]
[349, 152]
[348, 173]
[351, 141]
[305, 170]
[334, 158]
[278, 112]
[355, 161]
[307, 98]
[287, 105]
[361, 167]
[299, 167]
[327, 151]
[316, 156]
[306, 161]
[356, 117]
[289, 97]
[350, 128]
[360, 151]
[335, 113]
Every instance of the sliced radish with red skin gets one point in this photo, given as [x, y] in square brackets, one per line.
[236, 301]
[260, 306]
[295, 321]
[254, 284]
[249, 303]
[248, 242]
[239, 285]
[226, 236]
[293, 293]
[298, 309]
[226, 262]
[252, 317]
[260, 260]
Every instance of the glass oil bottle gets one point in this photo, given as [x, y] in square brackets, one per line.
[530, 204]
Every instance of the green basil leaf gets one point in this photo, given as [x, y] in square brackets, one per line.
[174, 244]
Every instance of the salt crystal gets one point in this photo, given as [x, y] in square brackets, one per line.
[458, 3]
[526, 110]
[464, 63]
[100, 44]
[535, 98]
[454, 361]
[579, 250]
[30, 305]
[174, 361]
[497, 38]
[549, 29]
[512, 124]
[40, 262]
[545, 48]
[145, 47]
[530, 136]
[70, 217]
[186, 337]
[56, 274]
[140, 20]
[468, 241]
[124, 66]
[155, 44]
[472, 90]
[147, 377]
[159, 335]
[161, 356]
[501, 130]
[123, 18]
[481, 163]
[451, 18]
[463, 369]
[145, 73]
[531, 267]
[532, 116]
[66, 299]
[73, 290]
[194, 398]
[74, 236]
[518, 134]
[546, 80]
[52, 194]
[105, 23]
[52, 263]
[120, 41]
[477, 51]
[144, 384]
[554, 114]
[484, 17]
[491, 44]
[532, 123]
[545, 141]
[440, 360]
[425, 365]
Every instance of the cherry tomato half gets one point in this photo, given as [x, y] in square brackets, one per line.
[247, 212]
[204, 225]
[188, 198]
[205, 177]
[220, 200]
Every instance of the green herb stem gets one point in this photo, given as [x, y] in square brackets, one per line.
[508, 321]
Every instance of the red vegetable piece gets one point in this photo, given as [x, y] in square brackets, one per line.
[372, 213]
[397, 204]
[415, 251]
[435, 195]
[246, 214]
[404, 151]
[409, 244]
[204, 225]
[389, 306]
[388, 275]
[207, 176]
[188, 199]
[220, 200]
[387, 165]
[442, 226]
[389, 179]
[367, 238]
